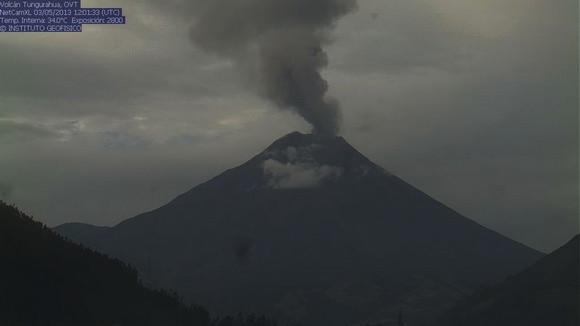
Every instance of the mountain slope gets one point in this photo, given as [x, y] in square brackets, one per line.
[311, 231]
[45, 280]
[547, 293]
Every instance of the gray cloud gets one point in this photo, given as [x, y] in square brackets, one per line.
[284, 40]
[5, 191]
[27, 130]
[19, 129]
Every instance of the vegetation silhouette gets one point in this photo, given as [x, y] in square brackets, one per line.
[47, 280]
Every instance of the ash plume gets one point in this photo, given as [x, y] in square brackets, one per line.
[280, 45]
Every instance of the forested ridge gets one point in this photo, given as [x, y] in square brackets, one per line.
[47, 280]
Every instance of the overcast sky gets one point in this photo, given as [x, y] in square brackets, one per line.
[474, 102]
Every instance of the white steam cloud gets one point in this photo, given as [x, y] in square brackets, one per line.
[298, 175]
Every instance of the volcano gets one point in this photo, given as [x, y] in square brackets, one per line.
[311, 232]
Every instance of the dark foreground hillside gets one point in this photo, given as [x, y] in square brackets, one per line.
[46, 280]
[547, 293]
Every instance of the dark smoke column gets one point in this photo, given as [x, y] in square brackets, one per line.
[283, 40]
